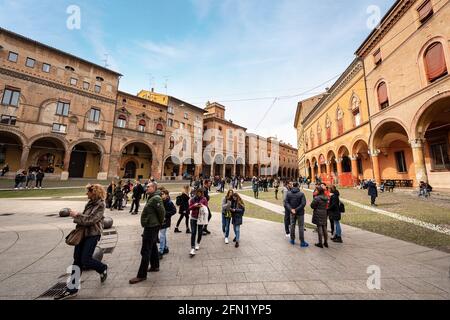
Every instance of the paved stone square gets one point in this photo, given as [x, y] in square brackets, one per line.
[33, 256]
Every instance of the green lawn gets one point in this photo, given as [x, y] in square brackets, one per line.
[377, 223]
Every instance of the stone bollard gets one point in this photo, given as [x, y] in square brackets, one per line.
[98, 254]
[64, 213]
[107, 223]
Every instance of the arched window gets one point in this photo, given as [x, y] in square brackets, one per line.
[184, 145]
[159, 129]
[142, 125]
[319, 134]
[172, 143]
[312, 139]
[340, 121]
[122, 121]
[355, 107]
[383, 99]
[328, 128]
[435, 62]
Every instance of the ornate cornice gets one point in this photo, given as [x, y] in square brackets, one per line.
[54, 85]
[337, 87]
[397, 11]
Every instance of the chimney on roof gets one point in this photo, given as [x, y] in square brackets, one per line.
[153, 90]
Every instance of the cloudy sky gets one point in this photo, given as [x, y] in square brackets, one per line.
[241, 53]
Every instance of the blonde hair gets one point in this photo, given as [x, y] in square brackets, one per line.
[97, 190]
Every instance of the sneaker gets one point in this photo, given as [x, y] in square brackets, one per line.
[104, 275]
[319, 245]
[234, 240]
[197, 247]
[236, 245]
[288, 235]
[325, 245]
[192, 253]
[292, 242]
[166, 251]
[66, 295]
[338, 240]
[304, 245]
[226, 241]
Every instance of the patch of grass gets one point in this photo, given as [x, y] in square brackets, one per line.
[381, 224]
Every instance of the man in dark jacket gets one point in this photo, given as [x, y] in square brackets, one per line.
[151, 220]
[372, 192]
[295, 204]
[138, 191]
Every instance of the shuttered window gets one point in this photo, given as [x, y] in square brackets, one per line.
[435, 62]
[383, 99]
[425, 11]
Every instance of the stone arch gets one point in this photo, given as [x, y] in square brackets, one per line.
[99, 145]
[230, 160]
[419, 124]
[23, 139]
[50, 135]
[141, 141]
[381, 124]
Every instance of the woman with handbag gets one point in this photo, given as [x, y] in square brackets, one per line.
[183, 202]
[226, 215]
[237, 212]
[334, 211]
[197, 205]
[86, 236]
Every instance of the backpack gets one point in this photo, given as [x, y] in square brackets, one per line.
[341, 207]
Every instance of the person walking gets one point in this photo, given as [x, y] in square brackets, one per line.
[287, 213]
[138, 191]
[372, 192]
[118, 197]
[207, 186]
[195, 204]
[237, 212]
[295, 204]
[334, 212]
[183, 202]
[171, 210]
[319, 205]
[255, 187]
[91, 220]
[151, 219]
[276, 185]
[39, 178]
[110, 195]
[226, 214]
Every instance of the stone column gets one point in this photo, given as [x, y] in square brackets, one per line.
[419, 160]
[24, 157]
[224, 166]
[181, 168]
[65, 173]
[212, 171]
[354, 160]
[339, 170]
[376, 167]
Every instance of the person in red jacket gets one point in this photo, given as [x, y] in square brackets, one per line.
[198, 201]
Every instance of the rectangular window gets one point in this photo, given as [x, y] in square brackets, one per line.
[186, 115]
[181, 125]
[170, 110]
[377, 57]
[13, 57]
[73, 81]
[94, 115]
[11, 97]
[98, 89]
[30, 63]
[425, 11]
[401, 162]
[59, 128]
[439, 154]
[62, 109]
[9, 120]
[86, 85]
[170, 123]
[46, 68]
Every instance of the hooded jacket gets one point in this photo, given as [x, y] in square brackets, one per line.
[295, 199]
[319, 205]
[154, 212]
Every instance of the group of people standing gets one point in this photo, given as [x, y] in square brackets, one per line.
[29, 180]
[326, 207]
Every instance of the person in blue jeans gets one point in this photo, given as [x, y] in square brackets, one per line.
[295, 203]
[334, 212]
[226, 214]
[171, 210]
[237, 209]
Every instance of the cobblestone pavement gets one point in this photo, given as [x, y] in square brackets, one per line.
[33, 255]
